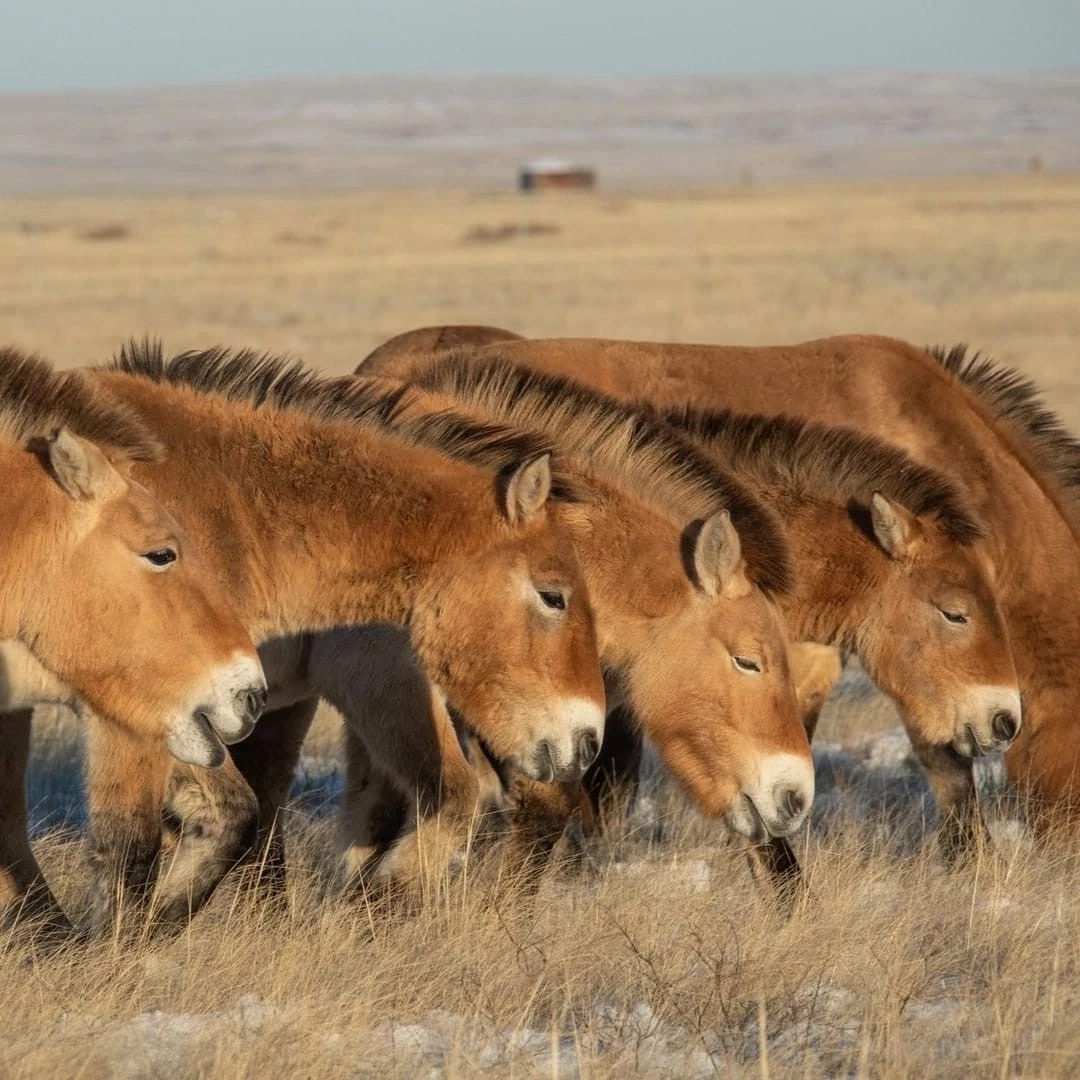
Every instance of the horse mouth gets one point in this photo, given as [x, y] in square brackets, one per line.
[759, 832]
[195, 742]
[974, 748]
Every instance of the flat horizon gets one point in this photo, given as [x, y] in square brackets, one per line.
[584, 76]
[474, 131]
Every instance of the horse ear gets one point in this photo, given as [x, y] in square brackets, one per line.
[78, 466]
[895, 527]
[527, 489]
[718, 559]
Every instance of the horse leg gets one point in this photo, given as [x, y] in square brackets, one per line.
[443, 795]
[213, 816]
[403, 740]
[267, 760]
[961, 830]
[221, 817]
[374, 813]
[776, 869]
[613, 778]
[421, 774]
[25, 897]
[495, 809]
[545, 816]
[126, 780]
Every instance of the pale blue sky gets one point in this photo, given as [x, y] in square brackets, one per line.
[66, 44]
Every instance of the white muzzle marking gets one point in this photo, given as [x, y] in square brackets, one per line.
[780, 798]
[976, 730]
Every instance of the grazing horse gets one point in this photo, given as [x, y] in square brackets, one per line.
[91, 560]
[100, 586]
[317, 514]
[890, 564]
[682, 566]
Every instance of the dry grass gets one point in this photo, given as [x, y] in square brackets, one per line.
[662, 958]
[992, 261]
[659, 958]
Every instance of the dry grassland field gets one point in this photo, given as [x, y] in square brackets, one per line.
[660, 957]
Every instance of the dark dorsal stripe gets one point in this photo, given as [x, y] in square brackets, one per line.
[35, 400]
[265, 381]
[1016, 401]
[620, 444]
[824, 462]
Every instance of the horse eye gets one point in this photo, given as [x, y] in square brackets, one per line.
[743, 663]
[160, 558]
[553, 599]
[955, 618]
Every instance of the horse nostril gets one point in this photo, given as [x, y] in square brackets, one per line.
[793, 803]
[545, 763]
[1005, 725]
[588, 746]
[251, 702]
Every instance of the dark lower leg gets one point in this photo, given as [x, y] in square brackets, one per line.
[776, 870]
[612, 780]
[267, 760]
[25, 896]
[961, 831]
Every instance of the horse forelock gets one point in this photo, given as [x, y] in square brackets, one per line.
[825, 462]
[620, 445]
[1016, 401]
[265, 381]
[36, 399]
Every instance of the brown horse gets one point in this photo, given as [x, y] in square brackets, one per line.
[100, 586]
[909, 586]
[317, 515]
[98, 583]
[682, 596]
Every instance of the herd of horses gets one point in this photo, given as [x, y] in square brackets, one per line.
[507, 563]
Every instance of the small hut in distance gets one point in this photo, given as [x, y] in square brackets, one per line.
[552, 175]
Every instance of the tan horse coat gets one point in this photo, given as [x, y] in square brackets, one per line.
[316, 515]
[100, 586]
[97, 579]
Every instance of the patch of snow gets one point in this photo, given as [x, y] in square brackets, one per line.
[152, 1042]
[890, 752]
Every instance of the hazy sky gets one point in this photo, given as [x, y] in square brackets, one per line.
[63, 44]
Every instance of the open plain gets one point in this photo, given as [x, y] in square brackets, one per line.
[660, 955]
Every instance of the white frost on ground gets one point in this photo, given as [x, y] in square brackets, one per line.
[444, 1043]
[157, 1043]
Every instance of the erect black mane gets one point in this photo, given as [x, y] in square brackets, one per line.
[266, 381]
[828, 462]
[620, 443]
[1016, 401]
[35, 400]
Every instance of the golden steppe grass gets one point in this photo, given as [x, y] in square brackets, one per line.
[661, 957]
[992, 261]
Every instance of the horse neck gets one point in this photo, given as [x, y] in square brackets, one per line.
[631, 560]
[28, 507]
[309, 524]
[828, 601]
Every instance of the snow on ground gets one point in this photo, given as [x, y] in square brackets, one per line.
[154, 1044]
